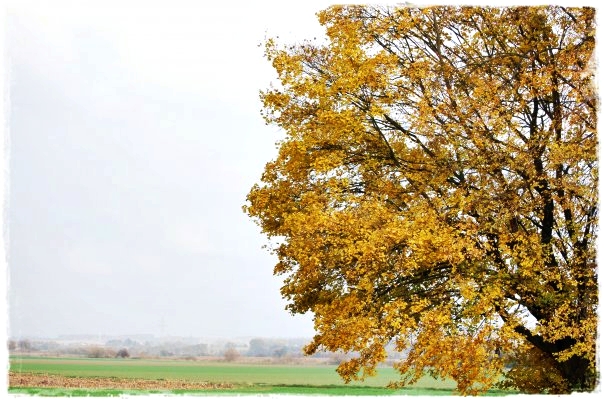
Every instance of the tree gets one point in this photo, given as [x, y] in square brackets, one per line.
[258, 347]
[231, 354]
[280, 352]
[122, 353]
[25, 345]
[437, 187]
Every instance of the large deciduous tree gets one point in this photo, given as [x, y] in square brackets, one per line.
[437, 189]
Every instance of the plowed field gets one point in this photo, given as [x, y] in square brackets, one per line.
[56, 381]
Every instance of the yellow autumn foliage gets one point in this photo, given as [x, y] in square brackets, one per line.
[436, 189]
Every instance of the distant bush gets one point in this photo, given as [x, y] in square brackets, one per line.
[231, 354]
[99, 352]
[122, 353]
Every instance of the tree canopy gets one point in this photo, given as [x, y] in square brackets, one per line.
[437, 189]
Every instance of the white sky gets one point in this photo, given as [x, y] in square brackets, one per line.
[133, 135]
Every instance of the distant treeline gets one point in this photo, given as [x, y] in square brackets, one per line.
[177, 348]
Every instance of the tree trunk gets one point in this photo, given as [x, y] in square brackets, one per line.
[578, 374]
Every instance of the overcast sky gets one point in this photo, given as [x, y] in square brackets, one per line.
[134, 136]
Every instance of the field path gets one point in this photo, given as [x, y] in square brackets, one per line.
[16, 380]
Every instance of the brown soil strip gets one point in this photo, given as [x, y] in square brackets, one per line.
[16, 380]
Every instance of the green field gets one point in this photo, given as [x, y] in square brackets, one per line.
[246, 378]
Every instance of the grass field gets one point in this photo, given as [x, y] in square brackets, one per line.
[243, 378]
